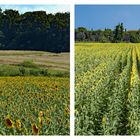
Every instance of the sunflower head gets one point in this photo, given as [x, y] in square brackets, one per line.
[103, 120]
[9, 122]
[35, 129]
[66, 111]
[41, 114]
[18, 124]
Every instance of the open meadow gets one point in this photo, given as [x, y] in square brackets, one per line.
[107, 89]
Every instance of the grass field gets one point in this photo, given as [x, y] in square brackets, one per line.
[34, 93]
[107, 89]
[11, 61]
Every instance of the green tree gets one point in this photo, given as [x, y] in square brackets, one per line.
[35, 30]
[118, 33]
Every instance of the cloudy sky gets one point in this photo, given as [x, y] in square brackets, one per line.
[107, 16]
[48, 8]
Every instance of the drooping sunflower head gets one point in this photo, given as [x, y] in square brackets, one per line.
[35, 129]
[9, 122]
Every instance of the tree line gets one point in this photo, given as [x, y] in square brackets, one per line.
[35, 30]
[119, 34]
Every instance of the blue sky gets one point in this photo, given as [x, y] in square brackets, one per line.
[107, 16]
[48, 8]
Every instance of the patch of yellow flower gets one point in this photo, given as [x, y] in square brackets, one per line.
[103, 120]
[35, 129]
[9, 122]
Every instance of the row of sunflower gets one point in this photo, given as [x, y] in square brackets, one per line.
[107, 89]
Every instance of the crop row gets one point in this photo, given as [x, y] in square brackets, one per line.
[107, 89]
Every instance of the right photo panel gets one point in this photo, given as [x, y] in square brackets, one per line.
[107, 70]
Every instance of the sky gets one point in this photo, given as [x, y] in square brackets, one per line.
[48, 8]
[107, 16]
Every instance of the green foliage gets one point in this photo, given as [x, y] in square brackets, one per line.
[119, 34]
[10, 70]
[57, 73]
[29, 64]
[107, 89]
[35, 30]
[42, 102]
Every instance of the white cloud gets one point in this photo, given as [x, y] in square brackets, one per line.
[48, 8]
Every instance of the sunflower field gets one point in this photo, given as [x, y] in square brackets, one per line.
[107, 89]
[34, 106]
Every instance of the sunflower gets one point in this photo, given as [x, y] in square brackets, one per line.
[103, 120]
[35, 129]
[56, 87]
[66, 111]
[9, 122]
[18, 124]
[41, 114]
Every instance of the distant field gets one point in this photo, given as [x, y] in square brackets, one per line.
[42, 59]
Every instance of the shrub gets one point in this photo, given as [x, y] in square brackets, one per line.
[29, 64]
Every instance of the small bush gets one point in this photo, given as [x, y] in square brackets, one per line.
[35, 72]
[24, 71]
[44, 72]
[29, 64]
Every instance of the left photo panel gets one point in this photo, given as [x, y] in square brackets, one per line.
[34, 70]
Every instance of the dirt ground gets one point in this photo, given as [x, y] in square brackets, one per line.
[59, 61]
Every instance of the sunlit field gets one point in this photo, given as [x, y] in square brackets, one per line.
[34, 93]
[107, 89]
[34, 106]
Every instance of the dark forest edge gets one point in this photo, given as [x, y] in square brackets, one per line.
[34, 31]
[118, 35]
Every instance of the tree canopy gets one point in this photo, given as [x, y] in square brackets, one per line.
[119, 34]
[35, 30]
